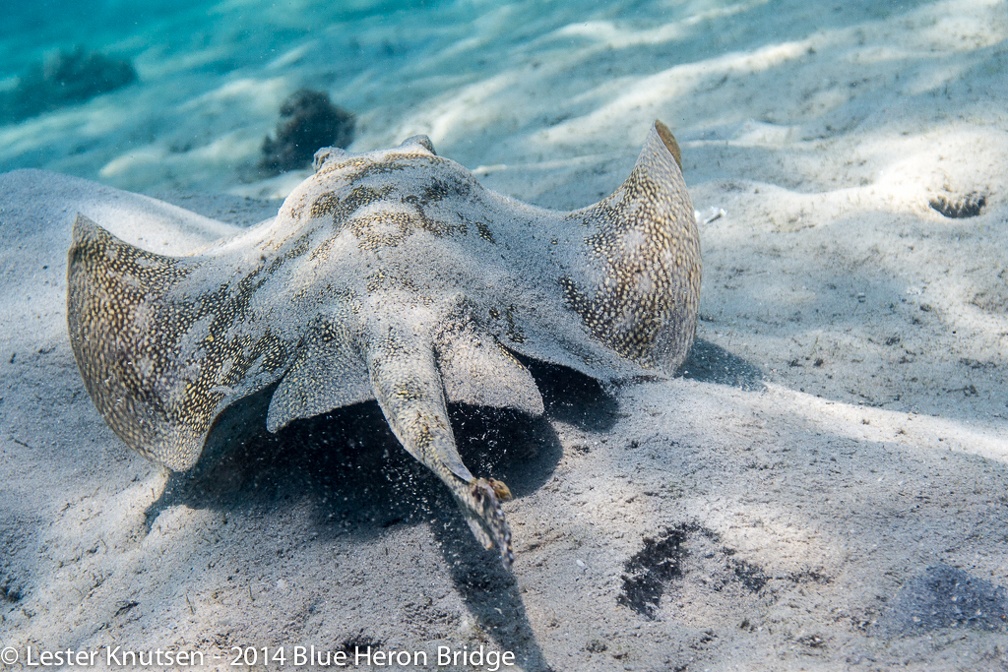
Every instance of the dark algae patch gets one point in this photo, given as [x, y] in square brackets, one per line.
[667, 559]
[959, 207]
[67, 77]
[650, 569]
[308, 121]
[647, 574]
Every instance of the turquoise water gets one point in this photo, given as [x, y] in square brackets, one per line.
[211, 78]
[520, 83]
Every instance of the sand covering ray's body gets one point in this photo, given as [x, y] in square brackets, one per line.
[389, 275]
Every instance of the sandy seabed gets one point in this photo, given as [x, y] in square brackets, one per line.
[825, 487]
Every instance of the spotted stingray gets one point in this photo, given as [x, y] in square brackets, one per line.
[390, 275]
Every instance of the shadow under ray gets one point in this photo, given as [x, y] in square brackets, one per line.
[489, 590]
[352, 467]
[346, 464]
[710, 363]
[522, 452]
[360, 481]
[572, 397]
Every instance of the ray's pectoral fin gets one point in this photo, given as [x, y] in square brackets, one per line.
[478, 370]
[162, 353]
[326, 373]
[409, 390]
[125, 346]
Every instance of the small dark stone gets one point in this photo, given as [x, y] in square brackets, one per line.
[125, 606]
[359, 642]
[309, 121]
[969, 205]
[812, 641]
[9, 592]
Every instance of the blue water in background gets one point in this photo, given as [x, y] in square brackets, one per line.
[189, 50]
[483, 78]
[31, 29]
[212, 75]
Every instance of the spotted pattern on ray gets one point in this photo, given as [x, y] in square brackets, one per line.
[391, 275]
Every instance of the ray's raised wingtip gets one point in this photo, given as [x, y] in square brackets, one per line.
[84, 229]
[109, 287]
[81, 224]
[665, 134]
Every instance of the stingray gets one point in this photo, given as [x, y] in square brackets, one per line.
[395, 276]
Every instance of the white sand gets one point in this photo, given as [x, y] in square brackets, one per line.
[841, 429]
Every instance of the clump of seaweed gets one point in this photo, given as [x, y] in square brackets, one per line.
[309, 121]
[65, 78]
[970, 205]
